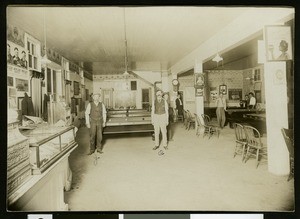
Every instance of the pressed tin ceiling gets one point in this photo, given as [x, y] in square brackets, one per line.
[157, 37]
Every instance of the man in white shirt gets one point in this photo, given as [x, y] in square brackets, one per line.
[95, 119]
[160, 120]
[252, 101]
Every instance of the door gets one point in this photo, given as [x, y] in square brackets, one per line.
[146, 99]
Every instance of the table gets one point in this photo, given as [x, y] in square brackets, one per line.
[128, 121]
[236, 115]
[255, 116]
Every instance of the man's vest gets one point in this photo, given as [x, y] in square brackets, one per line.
[159, 107]
[96, 112]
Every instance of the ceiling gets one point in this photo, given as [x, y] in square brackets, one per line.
[157, 37]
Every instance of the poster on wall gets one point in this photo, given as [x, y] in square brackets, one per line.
[199, 92]
[10, 81]
[21, 85]
[199, 80]
[278, 41]
[213, 93]
[15, 35]
[16, 55]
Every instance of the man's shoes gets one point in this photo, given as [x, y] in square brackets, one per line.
[166, 147]
[100, 151]
[90, 153]
[156, 147]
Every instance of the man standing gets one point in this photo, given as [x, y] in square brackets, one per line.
[252, 101]
[221, 107]
[160, 120]
[179, 105]
[95, 118]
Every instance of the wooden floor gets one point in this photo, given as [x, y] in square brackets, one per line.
[194, 174]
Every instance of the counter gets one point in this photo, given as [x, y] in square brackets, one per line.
[49, 149]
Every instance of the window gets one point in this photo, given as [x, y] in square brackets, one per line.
[32, 55]
[51, 81]
[257, 75]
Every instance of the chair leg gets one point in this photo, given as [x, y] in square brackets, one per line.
[246, 156]
[257, 157]
[235, 153]
[243, 152]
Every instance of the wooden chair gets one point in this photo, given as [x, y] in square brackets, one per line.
[190, 120]
[185, 120]
[288, 136]
[240, 140]
[209, 129]
[197, 124]
[254, 145]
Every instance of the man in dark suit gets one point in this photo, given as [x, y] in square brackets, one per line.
[179, 105]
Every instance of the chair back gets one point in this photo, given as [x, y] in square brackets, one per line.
[253, 137]
[185, 114]
[288, 136]
[206, 119]
[189, 115]
[240, 134]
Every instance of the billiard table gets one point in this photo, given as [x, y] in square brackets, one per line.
[128, 121]
[250, 117]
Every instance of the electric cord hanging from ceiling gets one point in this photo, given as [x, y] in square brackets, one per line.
[125, 37]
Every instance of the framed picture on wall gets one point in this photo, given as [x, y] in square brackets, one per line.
[10, 81]
[199, 92]
[22, 85]
[199, 80]
[278, 39]
[235, 94]
[223, 89]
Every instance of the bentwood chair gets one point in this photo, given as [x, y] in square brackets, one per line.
[240, 140]
[289, 141]
[209, 129]
[254, 145]
[190, 120]
[185, 120]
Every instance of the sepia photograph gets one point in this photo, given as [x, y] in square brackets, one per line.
[112, 114]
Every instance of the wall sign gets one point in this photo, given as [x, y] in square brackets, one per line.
[278, 43]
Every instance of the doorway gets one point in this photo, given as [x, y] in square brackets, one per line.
[146, 98]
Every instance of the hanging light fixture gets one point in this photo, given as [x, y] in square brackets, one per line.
[217, 58]
[44, 59]
[126, 74]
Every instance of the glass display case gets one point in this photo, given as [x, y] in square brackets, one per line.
[47, 144]
[18, 167]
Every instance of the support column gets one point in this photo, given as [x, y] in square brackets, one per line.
[276, 116]
[199, 100]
